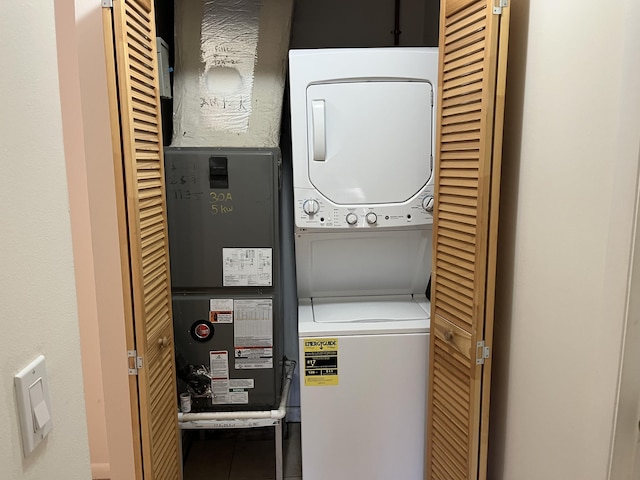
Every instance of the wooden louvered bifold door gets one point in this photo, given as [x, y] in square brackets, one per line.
[472, 70]
[134, 42]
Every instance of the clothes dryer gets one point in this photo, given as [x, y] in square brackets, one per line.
[362, 149]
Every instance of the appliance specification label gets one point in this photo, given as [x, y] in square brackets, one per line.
[238, 389]
[223, 388]
[247, 267]
[221, 310]
[253, 333]
[219, 360]
[320, 362]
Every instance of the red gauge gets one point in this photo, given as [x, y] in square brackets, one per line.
[202, 330]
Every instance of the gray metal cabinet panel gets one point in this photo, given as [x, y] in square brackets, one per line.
[222, 198]
[204, 220]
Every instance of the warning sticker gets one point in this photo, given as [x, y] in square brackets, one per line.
[219, 360]
[241, 383]
[253, 334]
[239, 397]
[221, 310]
[321, 362]
[247, 267]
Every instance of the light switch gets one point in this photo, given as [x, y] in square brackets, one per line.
[34, 404]
[38, 406]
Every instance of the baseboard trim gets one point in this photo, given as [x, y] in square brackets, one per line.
[101, 471]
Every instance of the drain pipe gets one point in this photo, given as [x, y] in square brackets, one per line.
[249, 415]
[396, 29]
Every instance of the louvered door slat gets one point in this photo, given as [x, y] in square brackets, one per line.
[462, 90]
[456, 269]
[462, 105]
[140, 59]
[468, 115]
[466, 51]
[449, 10]
[443, 466]
[452, 251]
[465, 217]
[466, 43]
[136, 15]
[460, 21]
[453, 66]
[460, 208]
[142, 106]
[466, 69]
[455, 448]
[143, 125]
[457, 127]
[142, 91]
[460, 289]
[445, 235]
[141, 74]
[459, 147]
[452, 409]
[134, 33]
[470, 28]
[140, 40]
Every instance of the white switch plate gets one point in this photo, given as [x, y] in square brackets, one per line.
[34, 404]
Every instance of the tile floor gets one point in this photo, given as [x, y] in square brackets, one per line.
[241, 454]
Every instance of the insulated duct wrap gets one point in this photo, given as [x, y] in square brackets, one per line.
[230, 58]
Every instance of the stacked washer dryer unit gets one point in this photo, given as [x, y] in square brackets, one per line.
[362, 144]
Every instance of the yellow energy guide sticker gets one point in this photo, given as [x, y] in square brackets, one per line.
[320, 362]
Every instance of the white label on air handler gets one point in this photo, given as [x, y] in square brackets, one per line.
[219, 362]
[247, 267]
[221, 310]
[253, 333]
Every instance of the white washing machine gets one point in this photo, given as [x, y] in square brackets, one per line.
[362, 142]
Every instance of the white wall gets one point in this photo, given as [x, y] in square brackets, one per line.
[569, 183]
[38, 305]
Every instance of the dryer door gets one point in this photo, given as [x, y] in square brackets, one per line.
[369, 142]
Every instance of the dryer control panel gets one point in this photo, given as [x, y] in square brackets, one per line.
[313, 211]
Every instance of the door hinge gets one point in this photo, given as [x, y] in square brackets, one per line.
[497, 10]
[135, 362]
[107, 3]
[482, 352]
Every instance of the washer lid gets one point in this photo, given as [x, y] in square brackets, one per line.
[369, 142]
[388, 308]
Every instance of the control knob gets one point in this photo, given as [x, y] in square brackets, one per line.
[427, 203]
[311, 206]
[372, 218]
[352, 218]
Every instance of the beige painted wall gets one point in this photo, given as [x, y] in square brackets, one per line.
[626, 451]
[625, 461]
[96, 243]
[82, 238]
[39, 313]
[569, 184]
